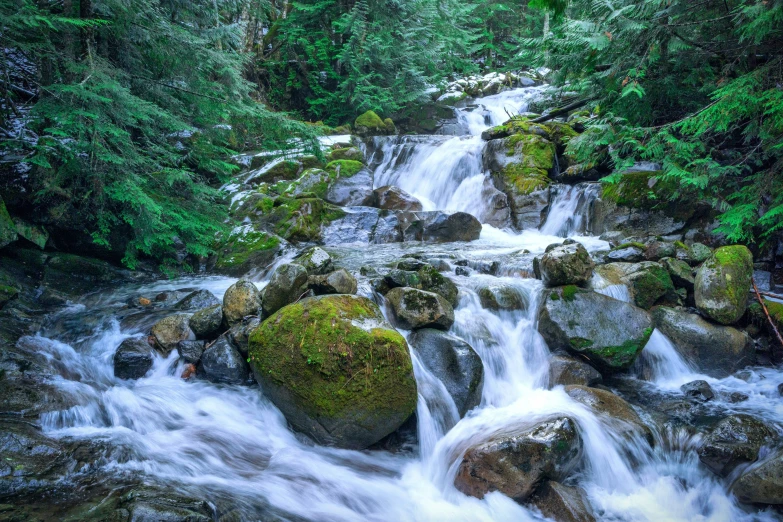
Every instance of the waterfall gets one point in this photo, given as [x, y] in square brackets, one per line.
[570, 209]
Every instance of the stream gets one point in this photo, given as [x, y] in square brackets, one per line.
[229, 444]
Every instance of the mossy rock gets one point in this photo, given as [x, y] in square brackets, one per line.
[8, 232]
[346, 153]
[7, 293]
[246, 249]
[514, 126]
[370, 124]
[647, 190]
[650, 283]
[286, 170]
[336, 369]
[530, 158]
[723, 282]
[35, 234]
[561, 133]
[301, 219]
[343, 168]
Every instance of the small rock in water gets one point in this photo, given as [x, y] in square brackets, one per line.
[735, 397]
[699, 390]
[762, 484]
[222, 363]
[133, 359]
[566, 265]
[337, 282]
[171, 330]
[394, 198]
[315, 260]
[207, 322]
[197, 300]
[780, 389]
[419, 309]
[239, 334]
[241, 299]
[562, 503]
[735, 440]
[565, 370]
[285, 286]
[190, 351]
[462, 271]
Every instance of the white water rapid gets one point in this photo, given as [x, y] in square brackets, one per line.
[230, 445]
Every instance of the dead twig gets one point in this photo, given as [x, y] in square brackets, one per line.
[766, 312]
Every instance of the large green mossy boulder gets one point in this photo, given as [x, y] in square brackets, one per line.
[370, 124]
[7, 227]
[336, 369]
[723, 282]
[610, 333]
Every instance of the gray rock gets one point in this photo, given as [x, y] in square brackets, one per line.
[442, 227]
[239, 334]
[723, 282]
[762, 484]
[315, 260]
[197, 300]
[454, 362]
[8, 232]
[612, 407]
[565, 370]
[658, 250]
[699, 390]
[240, 300]
[337, 282]
[496, 207]
[133, 359]
[287, 284]
[515, 464]
[190, 351]
[716, 350]
[351, 191]
[502, 297]
[562, 503]
[414, 309]
[207, 323]
[680, 272]
[630, 254]
[394, 198]
[222, 363]
[735, 440]
[566, 265]
[171, 330]
[433, 281]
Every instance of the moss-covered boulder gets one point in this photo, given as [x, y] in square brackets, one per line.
[370, 124]
[346, 153]
[8, 232]
[414, 309]
[300, 219]
[336, 369]
[566, 265]
[680, 272]
[649, 282]
[610, 333]
[35, 234]
[723, 282]
[344, 168]
[246, 249]
[434, 281]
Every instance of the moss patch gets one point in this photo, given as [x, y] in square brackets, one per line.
[245, 247]
[622, 356]
[343, 168]
[302, 219]
[569, 292]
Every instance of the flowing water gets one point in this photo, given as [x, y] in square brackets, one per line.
[229, 444]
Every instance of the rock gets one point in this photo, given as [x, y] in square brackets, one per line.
[698, 390]
[496, 207]
[648, 283]
[680, 272]
[8, 232]
[565, 370]
[735, 440]
[414, 309]
[7, 294]
[658, 250]
[629, 254]
[370, 124]
[515, 464]
[247, 249]
[239, 334]
[351, 191]
[36, 235]
[610, 333]
[433, 281]
[337, 282]
[762, 484]
[133, 358]
[715, 350]
[315, 260]
[723, 282]
[206, 323]
[612, 407]
[190, 351]
[287, 284]
[197, 300]
[394, 198]
[502, 297]
[353, 394]
[240, 300]
[439, 227]
[566, 265]
[222, 363]
[402, 278]
[699, 253]
[171, 330]
[454, 362]
[562, 503]
[346, 153]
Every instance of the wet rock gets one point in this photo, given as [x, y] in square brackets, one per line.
[8, 232]
[414, 309]
[566, 370]
[680, 272]
[658, 250]
[346, 153]
[287, 284]
[197, 300]
[222, 363]
[454, 362]
[7, 293]
[502, 297]
[496, 207]
[612, 408]
[462, 271]
[351, 191]
[315, 260]
[133, 359]
[248, 249]
[762, 484]
[240, 300]
[699, 253]
[207, 323]
[239, 334]
[610, 333]
[394, 198]
[735, 440]
[648, 283]
[411, 264]
[722, 284]
[735, 397]
[337, 282]
[629, 254]
[562, 503]
[433, 281]
[566, 265]
[396, 278]
[370, 124]
[515, 464]
[699, 390]
[191, 351]
[353, 394]
[716, 350]
[171, 330]
[77, 275]
[439, 227]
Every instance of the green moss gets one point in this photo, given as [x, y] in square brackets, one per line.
[535, 151]
[344, 168]
[311, 162]
[680, 245]
[285, 170]
[346, 153]
[622, 356]
[569, 292]
[580, 343]
[634, 244]
[516, 126]
[554, 296]
[370, 120]
[7, 293]
[646, 190]
[242, 248]
[524, 180]
[331, 366]
[302, 219]
[775, 312]
[561, 133]
[651, 284]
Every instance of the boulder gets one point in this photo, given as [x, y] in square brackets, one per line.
[239, 334]
[207, 323]
[171, 330]
[336, 369]
[454, 362]
[496, 208]
[566, 265]
[190, 351]
[247, 249]
[762, 484]
[680, 272]
[346, 153]
[565, 370]
[337, 282]
[133, 358]
[626, 254]
[439, 227]
[610, 333]
[502, 297]
[515, 464]
[197, 300]
[649, 282]
[735, 440]
[349, 191]
[8, 232]
[370, 124]
[657, 250]
[715, 350]
[240, 300]
[612, 408]
[35, 234]
[562, 503]
[287, 284]
[315, 260]
[394, 198]
[433, 281]
[414, 309]
[222, 363]
[699, 390]
[723, 282]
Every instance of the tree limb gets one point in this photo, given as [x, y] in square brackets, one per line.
[554, 113]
